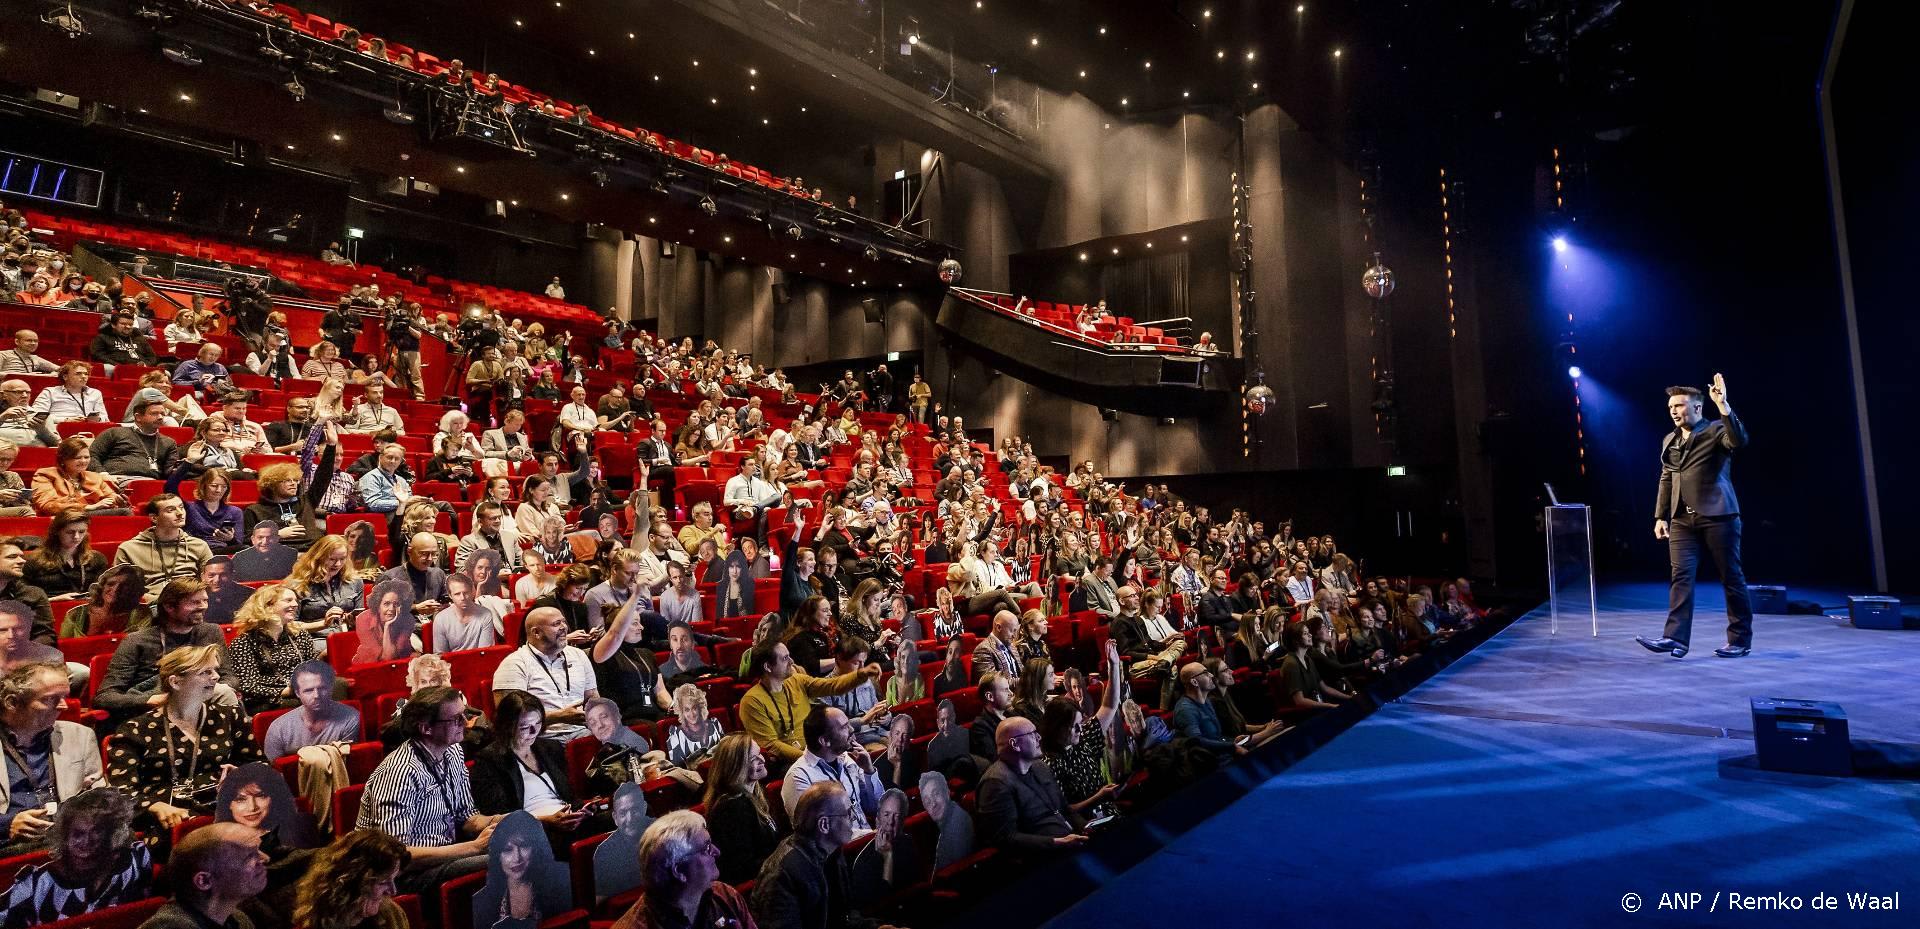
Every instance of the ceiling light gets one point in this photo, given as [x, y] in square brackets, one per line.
[1256, 85]
[803, 109]
[1116, 251]
[186, 98]
[766, 122]
[913, 38]
[1302, 8]
[1149, 244]
[652, 220]
[1221, 54]
[460, 169]
[513, 203]
[1103, 30]
[289, 146]
[1123, 101]
[726, 238]
[656, 77]
[753, 72]
[714, 100]
[1083, 256]
[1206, 14]
[1035, 41]
[1336, 53]
[1183, 238]
[566, 196]
[752, 87]
[632, 36]
[709, 207]
[1083, 74]
[592, 52]
[1185, 94]
[1249, 54]
[791, 256]
[977, 4]
[696, 62]
[336, 137]
[1149, 64]
[517, 24]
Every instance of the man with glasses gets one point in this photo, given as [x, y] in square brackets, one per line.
[680, 872]
[833, 756]
[803, 884]
[1020, 805]
[420, 794]
[20, 423]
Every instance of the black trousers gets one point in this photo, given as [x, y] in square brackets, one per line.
[1720, 536]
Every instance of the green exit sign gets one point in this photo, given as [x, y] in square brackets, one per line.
[1396, 470]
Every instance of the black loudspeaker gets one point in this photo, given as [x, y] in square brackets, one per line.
[1801, 736]
[1109, 414]
[496, 209]
[1874, 612]
[1767, 598]
[870, 307]
[778, 280]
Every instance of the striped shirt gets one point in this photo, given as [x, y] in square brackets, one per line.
[420, 803]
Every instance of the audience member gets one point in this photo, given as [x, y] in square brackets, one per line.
[1020, 806]
[420, 794]
[561, 675]
[214, 870]
[164, 551]
[48, 761]
[775, 707]
[96, 862]
[833, 755]
[520, 770]
[350, 883]
[171, 758]
[737, 810]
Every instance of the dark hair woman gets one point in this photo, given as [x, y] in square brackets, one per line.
[65, 565]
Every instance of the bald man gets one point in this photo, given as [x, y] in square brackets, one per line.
[559, 674]
[1020, 806]
[20, 359]
[214, 870]
[422, 570]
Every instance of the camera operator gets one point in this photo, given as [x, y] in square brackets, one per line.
[486, 381]
[404, 328]
[248, 306]
[341, 326]
[275, 358]
[880, 388]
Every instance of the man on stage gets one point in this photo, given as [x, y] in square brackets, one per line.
[1697, 508]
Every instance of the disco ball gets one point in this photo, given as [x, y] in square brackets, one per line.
[1259, 398]
[1377, 281]
[949, 271]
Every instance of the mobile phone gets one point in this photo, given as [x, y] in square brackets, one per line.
[1097, 823]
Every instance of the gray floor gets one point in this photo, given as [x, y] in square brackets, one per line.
[1544, 778]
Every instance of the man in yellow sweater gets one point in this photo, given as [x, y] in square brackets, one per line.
[775, 709]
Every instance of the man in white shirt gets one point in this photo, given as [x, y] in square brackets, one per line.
[1300, 585]
[72, 399]
[576, 416]
[833, 755]
[490, 531]
[21, 358]
[372, 414]
[560, 675]
[749, 496]
[607, 597]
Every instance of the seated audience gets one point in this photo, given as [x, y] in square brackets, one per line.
[65, 566]
[49, 760]
[72, 399]
[550, 669]
[214, 871]
[1020, 806]
[623, 663]
[350, 883]
[420, 794]
[69, 485]
[803, 883]
[520, 770]
[211, 516]
[775, 707]
[1300, 675]
[318, 720]
[96, 862]
[737, 810]
[268, 644]
[112, 607]
[832, 755]
[164, 551]
[132, 684]
[170, 759]
[681, 883]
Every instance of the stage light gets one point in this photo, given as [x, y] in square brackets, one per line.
[709, 207]
[913, 38]
[1302, 8]
[1573, 371]
[1560, 243]
[181, 53]
[1336, 53]
[1035, 41]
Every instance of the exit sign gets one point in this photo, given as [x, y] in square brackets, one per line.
[1396, 470]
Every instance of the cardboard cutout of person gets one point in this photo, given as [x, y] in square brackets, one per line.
[265, 558]
[484, 568]
[361, 541]
[387, 625]
[733, 589]
[256, 796]
[616, 863]
[524, 883]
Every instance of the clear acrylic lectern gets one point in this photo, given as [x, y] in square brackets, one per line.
[1570, 585]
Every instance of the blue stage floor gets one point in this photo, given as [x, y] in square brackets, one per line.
[1541, 779]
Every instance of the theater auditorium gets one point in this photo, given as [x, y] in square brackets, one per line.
[841, 464]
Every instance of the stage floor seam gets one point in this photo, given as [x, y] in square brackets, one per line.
[1711, 732]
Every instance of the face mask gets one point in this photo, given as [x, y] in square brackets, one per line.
[59, 266]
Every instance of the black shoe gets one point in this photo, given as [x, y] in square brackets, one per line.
[1732, 651]
[1669, 646]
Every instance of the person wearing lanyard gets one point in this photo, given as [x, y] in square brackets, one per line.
[420, 794]
[46, 760]
[170, 759]
[519, 770]
[72, 398]
[547, 667]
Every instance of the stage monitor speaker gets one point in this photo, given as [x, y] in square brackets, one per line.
[1801, 736]
[1874, 612]
[870, 307]
[1767, 598]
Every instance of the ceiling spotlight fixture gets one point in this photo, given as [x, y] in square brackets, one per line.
[1185, 94]
[1103, 30]
[727, 239]
[1183, 238]
[1249, 54]
[632, 36]
[566, 196]
[1302, 8]
[591, 52]
[1221, 54]
[1035, 41]
[296, 89]
[337, 137]
[289, 146]
[517, 24]
[600, 177]
[398, 114]
[460, 169]
[873, 254]
[1256, 85]
[1336, 53]
[696, 62]
[1083, 256]
[1123, 101]
[913, 38]
[766, 122]
[1116, 251]
[794, 232]
[753, 72]
[714, 100]
[1149, 64]
[1083, 73]
[709, 207]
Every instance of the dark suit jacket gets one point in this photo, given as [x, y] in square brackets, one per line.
[497, 787]
[1130, 636]
[1216, 610]
[1697, 473]
[1022, 812]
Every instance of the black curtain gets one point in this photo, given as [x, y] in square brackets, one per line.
[1147, 288]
